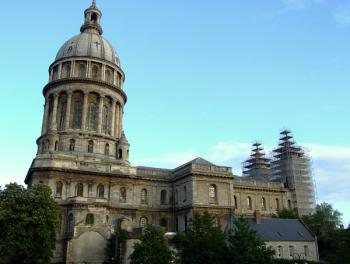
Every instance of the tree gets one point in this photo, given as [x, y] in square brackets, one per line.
[28, 224]
[152, 249]
[324, 220]
[325, 223]
[287, 214]
[202, 243]
[245, 247]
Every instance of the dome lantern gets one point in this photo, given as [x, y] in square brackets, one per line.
[92, 20]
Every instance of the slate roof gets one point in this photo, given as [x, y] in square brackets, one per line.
[276, 229]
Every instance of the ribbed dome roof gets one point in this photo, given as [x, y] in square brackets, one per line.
[88, 44]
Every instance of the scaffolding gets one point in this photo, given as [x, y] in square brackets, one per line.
[291, 165]
[257, 166]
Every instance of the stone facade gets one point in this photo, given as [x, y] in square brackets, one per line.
[83, 156]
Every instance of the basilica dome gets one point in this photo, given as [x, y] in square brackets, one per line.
[88, 44]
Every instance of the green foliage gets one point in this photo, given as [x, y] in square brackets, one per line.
[202, 243]
[286, 213]
[245, 247]
[28, 224]
[339, 248]
[324, 220]
[333, 242]
[153, 248]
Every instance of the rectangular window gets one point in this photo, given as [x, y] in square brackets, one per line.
[306, 251]
[291, 251]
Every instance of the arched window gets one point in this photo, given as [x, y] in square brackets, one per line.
[120, 153]
[82, 70]
[163, 223]
[289, 204]
[95, 72]
[90, 146]
[47, 145]
[143, 222]
[119, 79]
[70, 223]
[143, 196]
[212, 194]
[107, 149]
[79, 190]
[249, 202]
[163, 197]
[90, 190]
[94, 18]
[56, 145]
[109, 76]
[235, 201]
[279, 252]
[66, 68]
[106, 118]
[263, 203]
[122, 197]
[185, 193]
[59, 187]
[100, 191]
[277, 202]
[92, 117]
[90, 219]
[291, 251]
[61, 111]
[55, 73]
[71, 145]
[77, 110]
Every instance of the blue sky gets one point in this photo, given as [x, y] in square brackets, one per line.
[203, 78]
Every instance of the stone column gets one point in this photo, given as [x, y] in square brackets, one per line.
[59, 71]
[68, 109]
[54, 113]
[46, 114]
[121, 113]
[51, 75]
[113, 118]
[100, 112]
[103, 73]
[72, 69]
[88, 67]
[117, 123]
[85, 109]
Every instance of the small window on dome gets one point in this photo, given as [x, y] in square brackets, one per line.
[69, 49]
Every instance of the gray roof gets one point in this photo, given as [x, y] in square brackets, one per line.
[88, 44]
[276, 229]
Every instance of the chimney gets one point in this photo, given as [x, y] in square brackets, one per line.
[257, 216]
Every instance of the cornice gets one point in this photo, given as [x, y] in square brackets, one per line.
[110, 86]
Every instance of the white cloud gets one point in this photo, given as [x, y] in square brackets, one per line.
[331, 167]
[341, 15]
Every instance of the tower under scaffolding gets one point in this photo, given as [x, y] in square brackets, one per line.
[291, 166]
[257, 166]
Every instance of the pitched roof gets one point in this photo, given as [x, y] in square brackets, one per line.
[276, 229]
